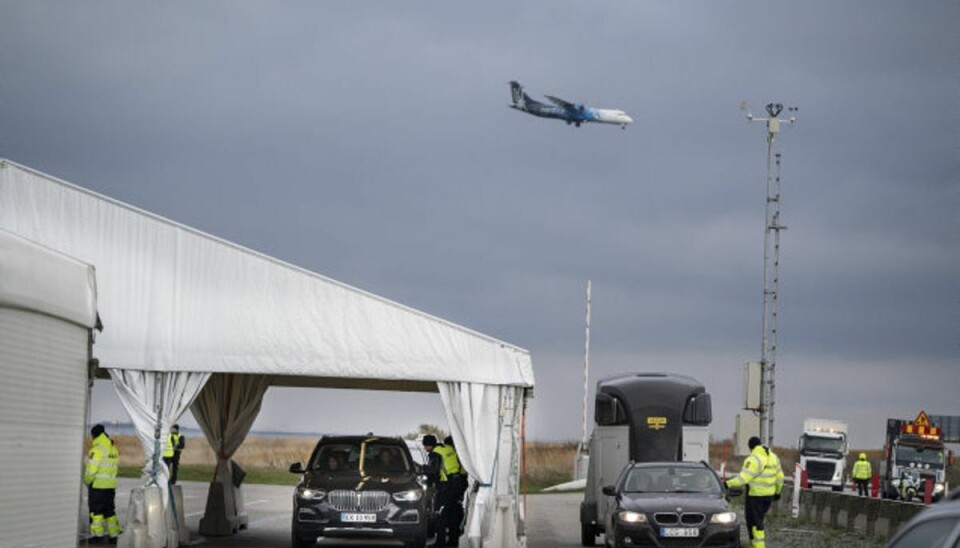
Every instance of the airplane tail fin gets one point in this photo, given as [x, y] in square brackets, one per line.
[519, 97]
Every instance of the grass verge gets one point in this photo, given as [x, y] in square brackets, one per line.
[195, 472]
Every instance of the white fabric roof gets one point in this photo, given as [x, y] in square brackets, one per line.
[33, 277]
[175, 299]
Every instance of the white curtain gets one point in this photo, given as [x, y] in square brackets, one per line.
[155, 401]
[482, 420]
[226, 409]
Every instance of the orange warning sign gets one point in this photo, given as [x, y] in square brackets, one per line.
[921, 426]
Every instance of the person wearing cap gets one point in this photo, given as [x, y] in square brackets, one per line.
[434, 466]
[100, 476]
[172, 450]
[862, 472]
[762, 477]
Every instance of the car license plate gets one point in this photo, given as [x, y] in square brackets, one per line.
[358, 518]
[679, 532]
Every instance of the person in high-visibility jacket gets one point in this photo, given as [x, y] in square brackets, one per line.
[171, 452]
[862, 472]
[449, 475]
[762, 476]
[456, 488]
[100, 476]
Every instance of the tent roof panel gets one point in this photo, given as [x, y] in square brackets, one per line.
[177, 299]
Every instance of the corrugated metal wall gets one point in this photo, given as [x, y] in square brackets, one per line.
[43, 361]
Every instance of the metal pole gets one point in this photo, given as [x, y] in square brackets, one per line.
[764, 362]
[776, 227]
[586, 369]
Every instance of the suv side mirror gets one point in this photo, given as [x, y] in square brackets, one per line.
[296, 468]
[609, 490]
[734, 491]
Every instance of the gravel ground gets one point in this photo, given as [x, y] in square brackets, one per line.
[783, 531]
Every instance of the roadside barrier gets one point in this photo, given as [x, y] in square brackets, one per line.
[871, 516]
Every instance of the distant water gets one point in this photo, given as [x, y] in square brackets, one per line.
[127, 429]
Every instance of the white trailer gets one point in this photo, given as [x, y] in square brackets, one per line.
[47, 312]
[641, 417]
[823, 452]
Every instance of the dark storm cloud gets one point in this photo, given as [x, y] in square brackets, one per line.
[372, 143]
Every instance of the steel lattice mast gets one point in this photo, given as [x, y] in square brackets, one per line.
[771, 273]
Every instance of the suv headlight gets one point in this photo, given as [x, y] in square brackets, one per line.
[724, 518]
[307, 493]
[938, 488]
[411, 495]
[627, 516]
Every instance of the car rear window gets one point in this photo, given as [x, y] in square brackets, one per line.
[927, 534]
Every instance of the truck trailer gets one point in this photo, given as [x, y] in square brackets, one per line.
[823, 452]
[642, 417]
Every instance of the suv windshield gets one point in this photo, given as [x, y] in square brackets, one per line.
[671, 479]
[816, 444]
[919, 455]
[372, 456]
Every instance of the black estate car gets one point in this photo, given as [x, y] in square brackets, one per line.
[669, 504]
[362, 488]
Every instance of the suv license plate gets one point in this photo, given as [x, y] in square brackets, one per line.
[679, 532]
[358, 518]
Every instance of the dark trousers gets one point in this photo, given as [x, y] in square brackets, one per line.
[862, 487]
[101, 501]
[450, 494]
[756, 509]
[173, 463]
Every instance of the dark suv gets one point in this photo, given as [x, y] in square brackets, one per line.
[362, 488]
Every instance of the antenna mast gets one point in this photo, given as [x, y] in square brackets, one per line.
[771, 271]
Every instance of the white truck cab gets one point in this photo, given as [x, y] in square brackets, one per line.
[823, 452]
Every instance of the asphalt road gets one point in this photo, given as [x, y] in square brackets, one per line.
[552, 519]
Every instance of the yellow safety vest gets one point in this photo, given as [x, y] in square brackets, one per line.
[102, 464]
[451, 464]
[762, 472]
[862, 470]
[172, 441]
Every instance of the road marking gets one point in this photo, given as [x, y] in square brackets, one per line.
[251, 503]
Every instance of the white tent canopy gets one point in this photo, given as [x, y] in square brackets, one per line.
[176, 300]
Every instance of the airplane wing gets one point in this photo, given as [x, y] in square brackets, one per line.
[561, 103]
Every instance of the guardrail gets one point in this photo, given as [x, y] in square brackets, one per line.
[873, 517]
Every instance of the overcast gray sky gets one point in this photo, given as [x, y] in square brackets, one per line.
[370, 142]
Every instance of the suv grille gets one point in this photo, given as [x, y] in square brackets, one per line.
[358, 501]
[820, 471]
